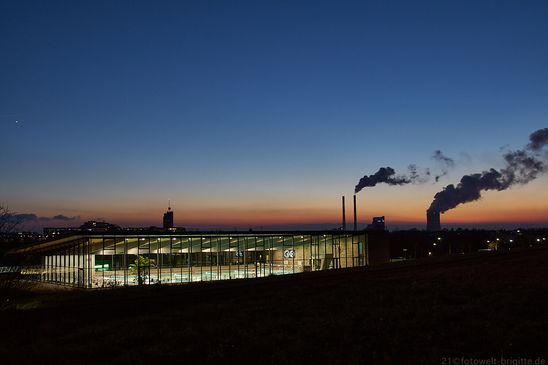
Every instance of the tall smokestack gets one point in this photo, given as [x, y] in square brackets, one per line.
[343, 215]
[355, 217]
[433, 220]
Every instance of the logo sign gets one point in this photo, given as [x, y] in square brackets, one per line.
[289, 254]
[239, 254]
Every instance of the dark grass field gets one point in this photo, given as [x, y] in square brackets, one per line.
[424, 312]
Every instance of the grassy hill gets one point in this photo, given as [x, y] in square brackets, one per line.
[473, 306]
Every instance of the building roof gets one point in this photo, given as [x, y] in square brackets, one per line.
[68, 241]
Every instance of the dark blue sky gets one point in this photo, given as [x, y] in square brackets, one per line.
[253, 102]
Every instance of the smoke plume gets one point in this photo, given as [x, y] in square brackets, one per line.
[521, 167]
[445, 162]
[538, 139]
[388, 176]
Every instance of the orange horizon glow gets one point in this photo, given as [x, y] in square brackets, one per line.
[405, 205]
[270, 217]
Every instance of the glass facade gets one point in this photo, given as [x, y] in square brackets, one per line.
[110, 260]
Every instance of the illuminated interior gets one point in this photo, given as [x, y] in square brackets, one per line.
[111, 260]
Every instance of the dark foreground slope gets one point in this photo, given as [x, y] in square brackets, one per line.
[479, 306]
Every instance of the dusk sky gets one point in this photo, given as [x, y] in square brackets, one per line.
[264, 113]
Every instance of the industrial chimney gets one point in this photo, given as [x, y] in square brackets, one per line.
[433, 220]
[355, 217]
[343, 215]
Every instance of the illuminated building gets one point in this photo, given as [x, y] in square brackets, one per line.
[377, 224]
[94, 226]
[124, 258]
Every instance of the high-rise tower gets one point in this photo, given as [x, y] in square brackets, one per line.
[168, 218]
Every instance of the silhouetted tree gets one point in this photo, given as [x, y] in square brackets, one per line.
[8, 220]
